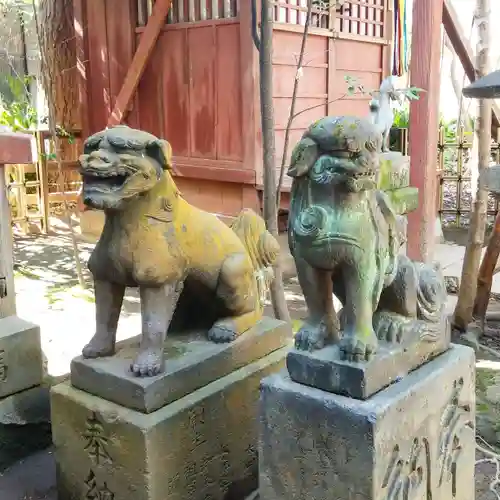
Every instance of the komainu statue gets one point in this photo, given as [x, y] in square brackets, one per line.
[188, 265]
[345, 239]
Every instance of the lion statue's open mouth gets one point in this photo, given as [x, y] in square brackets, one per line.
[104, 178]
[118, 165]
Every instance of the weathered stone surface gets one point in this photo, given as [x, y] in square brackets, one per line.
[414, 440]
[201, 446]
[20, 355]
[182, 259]
[324, 369]
[394, 171]
[191, 362]
[31, 406]
[345, 239]
[403, 200]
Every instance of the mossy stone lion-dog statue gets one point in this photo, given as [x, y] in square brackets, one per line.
[186, 262]
[344, 237]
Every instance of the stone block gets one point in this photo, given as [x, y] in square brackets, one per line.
[414, 440]
[394, 171]
[325, 370]
[202, 446]
[403, 200]
[191, 361]
[20, 356]
[24, 425]
[31, 406]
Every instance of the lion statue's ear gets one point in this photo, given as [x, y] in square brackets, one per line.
[304, 156]
[161, 151]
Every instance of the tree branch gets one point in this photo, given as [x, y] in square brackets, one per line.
[291, 116]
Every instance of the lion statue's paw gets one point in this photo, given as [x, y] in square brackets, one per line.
[312, 337]
[390, 327]
[221, 332]
[148, 363]
[397, 329]
[100, 346]
[356, 348]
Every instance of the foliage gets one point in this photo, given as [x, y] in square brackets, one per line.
[401, 117]
[17, 111]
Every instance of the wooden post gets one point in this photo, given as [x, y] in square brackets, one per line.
[14, 148]
[424, 123]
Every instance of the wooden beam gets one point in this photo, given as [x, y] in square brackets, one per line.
[424, 123]
[140, 60]
[465, 54]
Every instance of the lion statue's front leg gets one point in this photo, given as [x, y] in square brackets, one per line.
[322, 326]
[362, 287]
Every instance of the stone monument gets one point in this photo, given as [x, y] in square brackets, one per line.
[24, 401]
[377, 404]
[166, 416]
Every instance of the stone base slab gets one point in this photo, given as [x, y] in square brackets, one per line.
[414, 440]
[24, 425]
[202, 446]
[192, 361]
[26, 407]
[20, 356]
[325, 370]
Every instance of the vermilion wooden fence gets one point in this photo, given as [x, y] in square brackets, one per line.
[200, 87]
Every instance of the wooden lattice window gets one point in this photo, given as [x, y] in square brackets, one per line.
[355, 17]
[295, 12]
[191, 11]
[362, 17]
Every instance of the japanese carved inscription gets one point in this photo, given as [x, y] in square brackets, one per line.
[96, 445]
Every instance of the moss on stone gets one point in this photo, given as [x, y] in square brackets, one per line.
[403, 200]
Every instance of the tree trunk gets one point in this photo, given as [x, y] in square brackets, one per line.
[56, 103]
[269, 150]
[486, 272]
[468, 286]
[58, 46]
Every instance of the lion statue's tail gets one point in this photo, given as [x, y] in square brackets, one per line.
[261, 246]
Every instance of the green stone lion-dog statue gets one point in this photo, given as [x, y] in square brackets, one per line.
[345, 239]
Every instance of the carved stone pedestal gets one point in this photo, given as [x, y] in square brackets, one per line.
[413, 440]
[196, 441]
[24, 402]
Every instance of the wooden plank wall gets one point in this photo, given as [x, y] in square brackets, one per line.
[200, 87]
[313, 84]
[110, 48]
[353, 43]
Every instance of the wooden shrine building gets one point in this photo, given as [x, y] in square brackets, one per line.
[191, 76]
